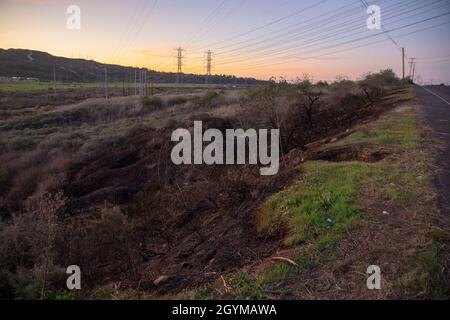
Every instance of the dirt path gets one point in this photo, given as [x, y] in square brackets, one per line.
[433, 111]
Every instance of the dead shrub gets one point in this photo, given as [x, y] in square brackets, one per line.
[151, 103]
[27, 243]
[174, 101]
[103, 245]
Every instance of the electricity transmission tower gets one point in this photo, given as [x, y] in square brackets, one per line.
[412, 68]
[180, 58]
[411, 62]
[208, 66]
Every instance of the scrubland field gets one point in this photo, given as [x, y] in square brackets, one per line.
[121, 87]
[90, 182]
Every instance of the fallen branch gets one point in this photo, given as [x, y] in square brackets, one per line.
[285, 260]
[225, 285]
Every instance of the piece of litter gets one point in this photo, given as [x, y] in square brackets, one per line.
[386, 213]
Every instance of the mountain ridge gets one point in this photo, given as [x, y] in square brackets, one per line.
[41, 65]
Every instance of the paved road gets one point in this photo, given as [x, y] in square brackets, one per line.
[434, 111]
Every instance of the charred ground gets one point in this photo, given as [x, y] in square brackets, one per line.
[91, 183]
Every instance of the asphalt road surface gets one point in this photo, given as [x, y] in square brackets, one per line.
[434, 111]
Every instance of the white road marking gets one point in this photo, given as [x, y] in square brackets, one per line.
[436, 95]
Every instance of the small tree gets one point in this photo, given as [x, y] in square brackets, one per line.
[374, 85]
[308, 98]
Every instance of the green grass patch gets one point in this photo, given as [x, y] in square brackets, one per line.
[396, 129]
[244, 287]
[320, 207]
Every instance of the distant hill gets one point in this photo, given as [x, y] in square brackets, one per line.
[38, 64]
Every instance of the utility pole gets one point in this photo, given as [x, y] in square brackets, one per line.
[151, 83]
[414, 72]
[145, 82]
[128, 82]
[140, 82]
[403, 62]
[180, 57]
[208, 66]
[135, 82]
[106, 83]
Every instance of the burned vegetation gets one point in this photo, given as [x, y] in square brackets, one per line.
[91, 183]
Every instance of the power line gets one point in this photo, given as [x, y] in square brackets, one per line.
[437, 61]
[273, 52]
[127, 30]
[267, 24]
[277, 52]
[312, 42]
[138, 31]
[294, 27]
[281, 19]
[314, 29]
[194, 33]
[200, 36]
[433, 58]
[291, 59]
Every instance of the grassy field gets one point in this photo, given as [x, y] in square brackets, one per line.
[30, 86]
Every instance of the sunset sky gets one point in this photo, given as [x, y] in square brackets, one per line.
[258, 38]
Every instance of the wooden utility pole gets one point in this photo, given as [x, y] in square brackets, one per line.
[403, 62]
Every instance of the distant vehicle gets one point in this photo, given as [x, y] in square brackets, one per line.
[442, 84]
